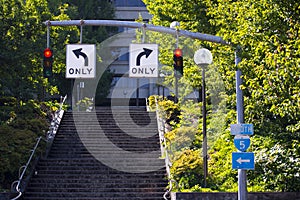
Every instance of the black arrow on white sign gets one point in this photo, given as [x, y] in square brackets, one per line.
[78, 52]
[146, 53]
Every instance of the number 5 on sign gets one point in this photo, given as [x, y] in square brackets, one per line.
[242, 144]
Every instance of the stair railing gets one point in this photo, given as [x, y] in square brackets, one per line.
[54, 125]
[25, 167]
[49, 139]
[163, 145]
[56, 119]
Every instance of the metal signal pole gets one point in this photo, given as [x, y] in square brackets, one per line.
[242, 176]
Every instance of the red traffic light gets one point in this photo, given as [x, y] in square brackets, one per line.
[47, 63]
[178, 62]
[48, 53]
[178, 52]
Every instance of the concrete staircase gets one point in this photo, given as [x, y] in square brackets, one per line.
[109, 154]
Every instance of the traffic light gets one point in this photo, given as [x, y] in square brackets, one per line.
[178, 61]
[47, 63]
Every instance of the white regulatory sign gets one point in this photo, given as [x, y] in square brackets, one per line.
[143, 60]
[81, 61]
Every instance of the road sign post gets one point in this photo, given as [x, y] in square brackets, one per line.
[242, 176]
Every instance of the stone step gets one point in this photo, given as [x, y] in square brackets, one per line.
[147, 194]
[108, 154]
[83, 183]
[47, 170]
[110, 119]
[143, 197]
[80, 189]
[131, 162]
[101, 148]
[100, 182]
[103, 168]
[107, 144]
[97, 177]
[116, 136]
[76, 169]
[108, 127]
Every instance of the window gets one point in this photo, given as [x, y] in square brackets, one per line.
[124, 57]
[129, 3]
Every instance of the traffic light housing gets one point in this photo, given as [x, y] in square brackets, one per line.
[178, 62]
[47, 63]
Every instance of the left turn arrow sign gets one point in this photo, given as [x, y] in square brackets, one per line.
[78, 52]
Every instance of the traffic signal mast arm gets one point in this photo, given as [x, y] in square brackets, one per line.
[130, 24]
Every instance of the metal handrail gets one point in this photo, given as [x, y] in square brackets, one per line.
[50, 136]
[62, 101]
[163, 145]
[18, 189]
[56, 120]
[147, 104]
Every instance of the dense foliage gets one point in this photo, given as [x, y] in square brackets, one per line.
[21, 123]
[21, 44]
[268, 34]
[23, 39]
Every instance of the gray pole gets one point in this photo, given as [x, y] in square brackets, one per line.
[78, 96]
[176, 86]
[242, 176]
[137, 92]
[204, 145]
[48, 37]
[176, 72]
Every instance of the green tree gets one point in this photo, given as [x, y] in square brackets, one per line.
[21, 123]
[268, 34]
[23, 39]
[21, 42]
[92, 10]
[190, 13]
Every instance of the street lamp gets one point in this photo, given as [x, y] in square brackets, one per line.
[177, 57]
[203, 58]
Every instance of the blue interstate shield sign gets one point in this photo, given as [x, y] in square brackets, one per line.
[243, 160]
[241, 142]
